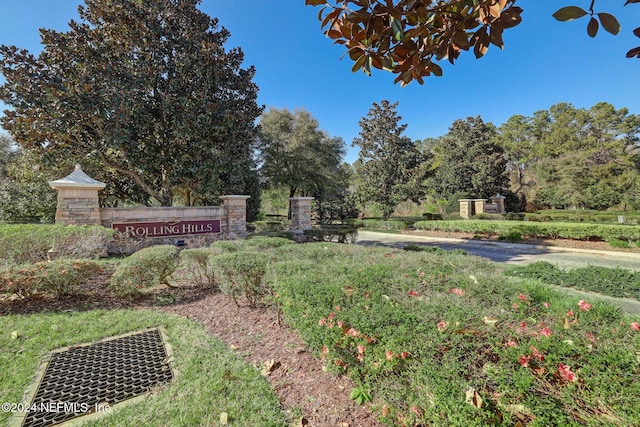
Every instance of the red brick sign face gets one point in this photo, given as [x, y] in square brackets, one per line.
[168, 229]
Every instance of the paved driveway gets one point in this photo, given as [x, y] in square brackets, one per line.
[510, 253]
[513, 253]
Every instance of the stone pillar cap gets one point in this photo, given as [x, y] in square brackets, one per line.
[235, 196]
[77, 179]
[498, 196]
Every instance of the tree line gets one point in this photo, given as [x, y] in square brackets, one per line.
[148, 99]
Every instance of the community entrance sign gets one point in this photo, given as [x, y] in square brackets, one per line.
[167, 229]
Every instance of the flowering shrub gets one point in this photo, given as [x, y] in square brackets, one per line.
[148, 267]
[59, 278]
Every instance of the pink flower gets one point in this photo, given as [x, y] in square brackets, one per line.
[360, 357]
[591, 337]
[415, 410]
[360, 349]
[635, 326]
[322, 321]
[325, 350]
[442, 326]
[524, 360]
[546, 332]
[389, 355]
[535, 353]
[403, 355]
[510, 344]
[338, 308]
[584, 306]
[332, 315]
[570, 313]
[457, 291]
[413, 293]
[546, 304]
[421, 274]
[566, 373]
[515, 306]
[522, 297]
[522, 326]
[340, 324]
[352, 332]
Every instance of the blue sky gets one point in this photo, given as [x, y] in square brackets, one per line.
[544, 62]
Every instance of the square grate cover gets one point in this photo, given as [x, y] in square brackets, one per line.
[80, 380]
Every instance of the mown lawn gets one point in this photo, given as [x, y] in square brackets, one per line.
[210, 379]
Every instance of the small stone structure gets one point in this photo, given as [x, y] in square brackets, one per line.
[77, 198]
[472, 207]
[300, 213]
[78, 204]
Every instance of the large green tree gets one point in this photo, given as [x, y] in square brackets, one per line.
[391, 167]
[147, 90]
[295, 153]
[571, 157]
[468, 162]
[409, 37]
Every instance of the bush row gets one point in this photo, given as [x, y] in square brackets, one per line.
[25, 243]
[605, 232]
[60, 277]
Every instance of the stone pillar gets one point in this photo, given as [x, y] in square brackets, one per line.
[498, 199]
[466, 208]
[236, 216]
[78, 201]
[478, 205]
[300, 213]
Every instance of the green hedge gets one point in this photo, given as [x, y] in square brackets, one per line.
[24, 243]
[554, 230]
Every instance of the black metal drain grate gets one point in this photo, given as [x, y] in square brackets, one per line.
[86, 379]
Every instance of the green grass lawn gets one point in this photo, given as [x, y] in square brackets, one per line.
[210, 378]
[447, 339]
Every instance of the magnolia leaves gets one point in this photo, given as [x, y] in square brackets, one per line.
[408, 38]
[608, 21]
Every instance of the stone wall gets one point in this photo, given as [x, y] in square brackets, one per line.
[78, 204]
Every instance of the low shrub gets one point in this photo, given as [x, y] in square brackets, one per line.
[271, 225]
[244, 274]
[512, 236]
[146, 268]
[553, 230]
[261, 243]
[59, 278]
[200, 262]
[616, 243]
[428, 216]
[378, 224]
[282, 234]
[24, 243]
[513, 216]
[332, 234]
